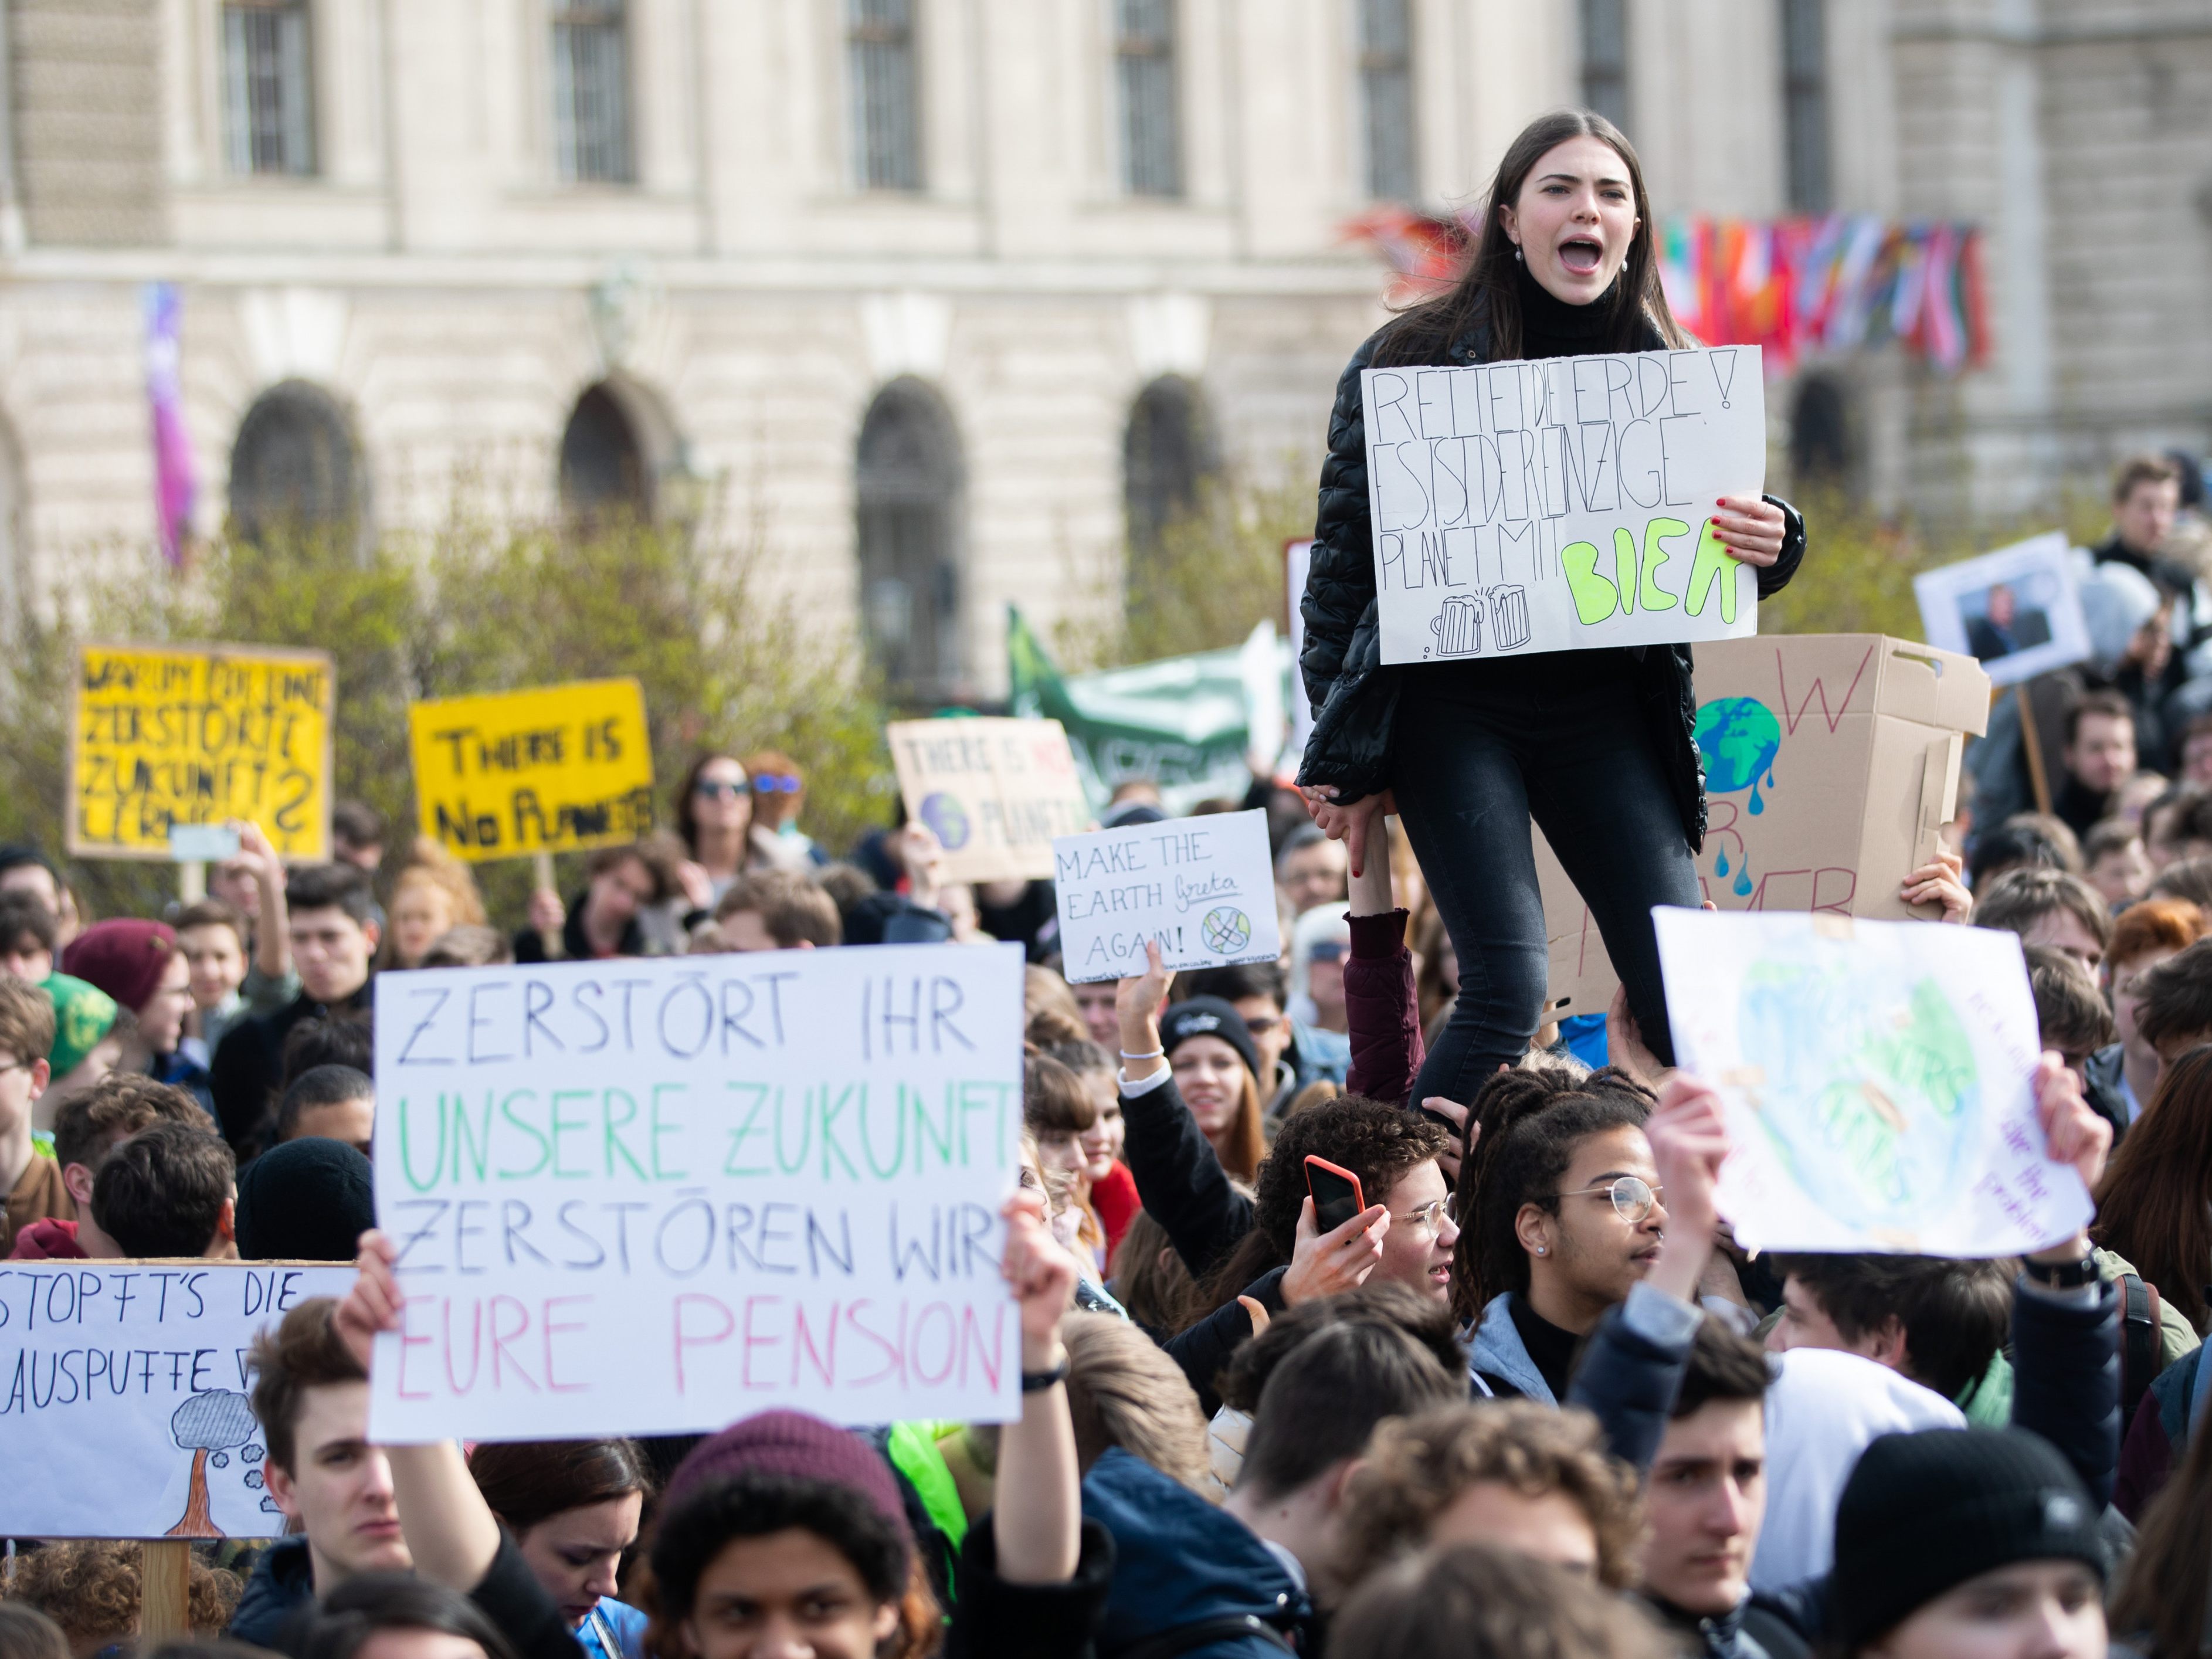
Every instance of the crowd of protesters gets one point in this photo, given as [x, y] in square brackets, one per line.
[1532, 1399]
[1529, 1400]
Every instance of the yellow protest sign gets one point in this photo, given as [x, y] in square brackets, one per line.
[163, 735]
[557, 769]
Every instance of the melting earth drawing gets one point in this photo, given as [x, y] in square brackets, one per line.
[1739, 738]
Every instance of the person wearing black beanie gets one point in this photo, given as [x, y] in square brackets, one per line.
[1966, 1543]
[308, 1200]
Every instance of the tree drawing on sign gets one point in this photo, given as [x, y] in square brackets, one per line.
[208, 1425]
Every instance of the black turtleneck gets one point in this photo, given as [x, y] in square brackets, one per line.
[1550, 327]
[1551, 1348]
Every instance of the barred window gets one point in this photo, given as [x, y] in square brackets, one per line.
[909, 480]
[1385, 86]
[1805, 103]
[886, 124]
[268, 93]
[590, 92]
[1144, 53]
[1605, 59]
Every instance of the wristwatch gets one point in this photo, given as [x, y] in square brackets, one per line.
[1038, 1382]
[2063, 1275]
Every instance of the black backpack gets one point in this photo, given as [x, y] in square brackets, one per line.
[2140, 1343]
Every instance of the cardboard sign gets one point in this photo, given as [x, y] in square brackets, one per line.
[1205, 887]
[1832, 763]
[994, 792]
[1879, 1080]
[2016, 610]
[123, 1408]
[652, 1196]
[1561, 505]
[559, 770]
[164, 735]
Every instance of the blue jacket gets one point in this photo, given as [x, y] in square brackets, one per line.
[283, 1581]
[1180, 1562]
[1498, 1362]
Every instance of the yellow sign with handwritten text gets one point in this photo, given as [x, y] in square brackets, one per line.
[557, 769]
[168, 735]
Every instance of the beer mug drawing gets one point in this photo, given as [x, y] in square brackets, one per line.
[1457, 626]
[1508, 617]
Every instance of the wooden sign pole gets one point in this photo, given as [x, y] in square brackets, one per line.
[165, 1594]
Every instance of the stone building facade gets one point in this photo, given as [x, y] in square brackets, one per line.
[933, 301]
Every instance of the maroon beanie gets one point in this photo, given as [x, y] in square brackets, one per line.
[124, 958]
[798, 1447]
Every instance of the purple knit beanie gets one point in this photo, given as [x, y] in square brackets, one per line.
[799, 1447]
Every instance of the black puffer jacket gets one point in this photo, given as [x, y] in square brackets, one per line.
[1356, 693]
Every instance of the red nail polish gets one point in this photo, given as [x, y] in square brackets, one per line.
[1723, 501]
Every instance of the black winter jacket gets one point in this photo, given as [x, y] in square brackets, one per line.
[1356, 693]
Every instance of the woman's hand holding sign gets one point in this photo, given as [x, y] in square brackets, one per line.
[1749, 527]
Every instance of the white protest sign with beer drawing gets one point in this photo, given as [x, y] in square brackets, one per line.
[1561, 505]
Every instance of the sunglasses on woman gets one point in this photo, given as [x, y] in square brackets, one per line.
[717, 789]
[769, 783]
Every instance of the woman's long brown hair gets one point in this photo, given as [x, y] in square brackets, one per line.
[2169, 1577]
[2155, 1205]
[1489, 294]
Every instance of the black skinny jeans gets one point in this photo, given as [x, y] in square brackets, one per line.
[1479, 747]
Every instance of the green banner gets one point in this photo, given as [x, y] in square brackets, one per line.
[1184, 723]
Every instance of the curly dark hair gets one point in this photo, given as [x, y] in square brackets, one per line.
[697, 1529]
[1377, 1143]
[1530, 1124]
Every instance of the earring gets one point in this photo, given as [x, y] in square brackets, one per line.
[1516, 253]
[1540, 1249]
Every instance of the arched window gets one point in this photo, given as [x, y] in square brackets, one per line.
[1167, 455]
[1820, 433]
[294, 468]
[908, 482]
[604, 470]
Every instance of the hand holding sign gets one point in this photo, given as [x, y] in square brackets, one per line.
[1751, 528]
[2073, 1135]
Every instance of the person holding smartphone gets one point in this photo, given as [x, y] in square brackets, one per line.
[1597, 744]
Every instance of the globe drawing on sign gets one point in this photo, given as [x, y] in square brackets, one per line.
[1867, 1092]
[946, 819]
[1739, 738]
[1226, 930]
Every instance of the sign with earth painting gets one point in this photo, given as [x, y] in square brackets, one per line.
[993, 792]
[1201, 888]
[1831, 765]
[1878, 1083]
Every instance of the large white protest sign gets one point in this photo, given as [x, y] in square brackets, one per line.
[125, 1408]
[652, 1196]
[1878, 1077]
[1563, 504]
[1203, 888]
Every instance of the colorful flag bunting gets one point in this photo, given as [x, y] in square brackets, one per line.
[1797, 287]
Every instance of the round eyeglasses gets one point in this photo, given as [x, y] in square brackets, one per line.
[1633, 1197]
[1429, 1217]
